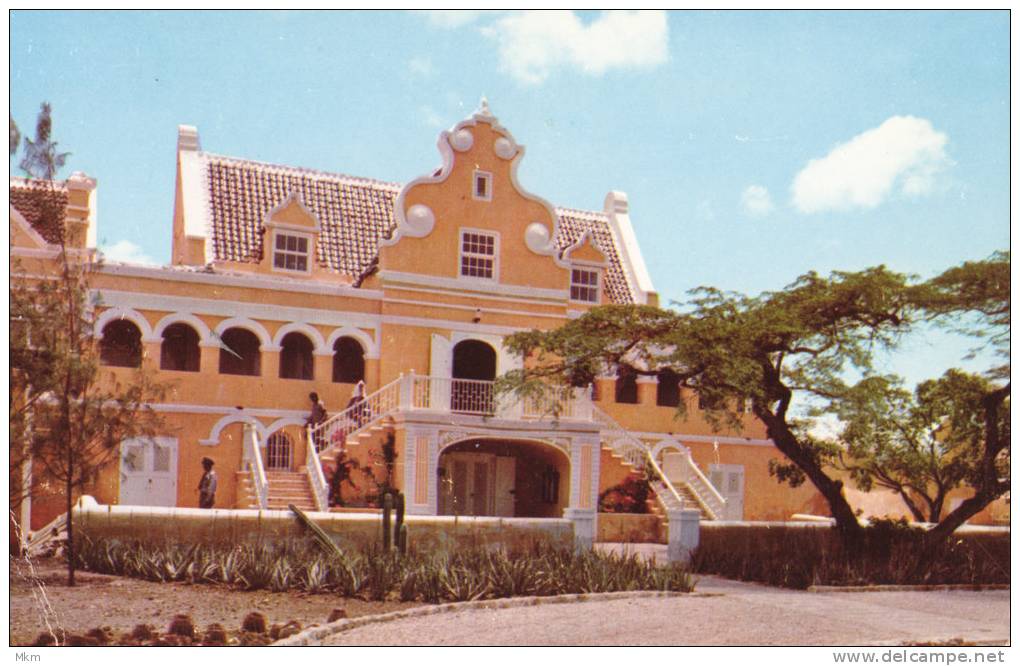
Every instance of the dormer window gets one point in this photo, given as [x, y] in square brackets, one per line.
[290, 252]
[478, 254]
[584, 285]
[482, 186]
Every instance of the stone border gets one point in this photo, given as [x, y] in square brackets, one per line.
[976, 587]
[315, 635]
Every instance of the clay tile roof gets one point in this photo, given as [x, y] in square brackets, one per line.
[32, 197]
[573, 224]
[355, 214]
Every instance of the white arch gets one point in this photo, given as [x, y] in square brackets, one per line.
[547, 443]
[265, 341]
[281, 423]
[205, 337]
[230, 419]
[133, 316]
[368, 344]
[308, 331]
[668, 443]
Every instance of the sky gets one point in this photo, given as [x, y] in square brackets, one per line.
[754, 146]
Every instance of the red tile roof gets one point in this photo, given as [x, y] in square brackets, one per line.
[42, 205]
[355, 214]
[573, 224]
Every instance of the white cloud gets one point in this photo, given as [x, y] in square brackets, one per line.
[127, 252]
[756, 201]
[454, 18]
[422, 66]
[533, 44]
[903, 151]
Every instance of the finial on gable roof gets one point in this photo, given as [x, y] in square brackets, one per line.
[483, 107]
[187, 138]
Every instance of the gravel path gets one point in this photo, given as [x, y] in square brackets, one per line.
[725, 613]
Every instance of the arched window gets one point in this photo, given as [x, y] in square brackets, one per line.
[239, 352]
[278, 451]
[296, 357]
[475, 361]
[179, 350]
[348, 361]
[626, 385]
[668, 393]
[121, 344]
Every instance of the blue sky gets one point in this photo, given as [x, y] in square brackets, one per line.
[754, 146]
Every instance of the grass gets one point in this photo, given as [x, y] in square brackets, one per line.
[890, 555]
[373, 574]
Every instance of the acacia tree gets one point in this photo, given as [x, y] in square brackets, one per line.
[66, 414]
[790, 352]
[922, 444]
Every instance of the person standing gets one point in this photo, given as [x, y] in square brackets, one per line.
[207, 486]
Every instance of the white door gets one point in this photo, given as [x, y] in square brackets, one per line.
[729, 481]
[503, 486]
[148, 471]
[471, 493]
[441, 369]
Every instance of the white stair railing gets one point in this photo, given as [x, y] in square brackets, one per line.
[708, 496]
[315, 476]
[638, 454]
[335, 431]
[253, 459]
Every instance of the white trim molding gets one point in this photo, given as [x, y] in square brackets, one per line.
[265, 341]
[131, 315]
[368, 344]
[205, 338]
[308, 331]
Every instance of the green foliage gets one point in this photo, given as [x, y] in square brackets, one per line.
[920, 445]
[797, 354]
[893, 553]
[630, 496]
[459, 575]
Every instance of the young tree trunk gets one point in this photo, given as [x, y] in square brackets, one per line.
[849, 528]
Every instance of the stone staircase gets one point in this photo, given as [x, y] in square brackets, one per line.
[285, 488]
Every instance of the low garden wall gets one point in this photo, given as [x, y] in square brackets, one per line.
[631, 528]
[348, 530]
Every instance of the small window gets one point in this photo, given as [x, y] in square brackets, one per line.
[668, 391]
[290, 252]
[121, 345]
[240, 353]
[179, 350]
[626, 385]
[584, 285]
[348, 361]
[478, 255]
[483, 186]
[296, 357]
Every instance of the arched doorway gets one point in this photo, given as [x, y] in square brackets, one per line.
[474, 369]
[508, 478]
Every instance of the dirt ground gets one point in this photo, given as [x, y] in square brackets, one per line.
[39, 594]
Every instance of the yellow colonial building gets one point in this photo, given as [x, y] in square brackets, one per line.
[285, 281]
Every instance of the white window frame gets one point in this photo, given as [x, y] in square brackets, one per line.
[478, 173]
[494, 256]
[598, 284]
[308, 256]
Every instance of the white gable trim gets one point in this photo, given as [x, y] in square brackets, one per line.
[626, 242]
